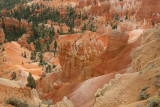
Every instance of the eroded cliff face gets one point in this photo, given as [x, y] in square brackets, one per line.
[149, 10]
[23, 42]
[92, 59]
[9, 23]
[75, 58]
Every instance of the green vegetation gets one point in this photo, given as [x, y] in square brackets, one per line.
[93, 28]
[55, 46]
[31, 81]
[24, 55]
[14, 76]
[126, 17]
[42, 32]
[102, 93]
[9, 4]
[16, 102]
[153, 23]
[54, 66]
[14, 34]
[153, 102]
[143, 94]
[3, 49]
[41, 59]
[48, 69]
[114, 26]
[33, 55]
[84, 28]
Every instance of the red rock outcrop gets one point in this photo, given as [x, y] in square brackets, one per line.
[2, 36]
[74, 58]
[23, 42]
[10, 22]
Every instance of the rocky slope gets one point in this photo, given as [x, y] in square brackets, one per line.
[13, 60]
[119, 93]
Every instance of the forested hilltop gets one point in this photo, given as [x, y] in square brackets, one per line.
[9, 4]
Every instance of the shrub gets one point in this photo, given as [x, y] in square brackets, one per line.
[3, 49]
[143, 94]
[154, 102]
[153, 23]
[54, 66]
[145, 88]
[13, 76]
[102, 93]
[55, 45]
[25, 54]
[33, 55]
[48, 69]
[115, 26]
[16, 102]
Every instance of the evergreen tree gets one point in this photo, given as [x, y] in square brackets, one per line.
[31, 81]
[25, 54]
[55, 45]
[41, 59]
[33, 55]
[84, 28]
[13, 76]
[153, 23]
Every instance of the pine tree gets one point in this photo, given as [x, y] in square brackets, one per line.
[55, 45]
[13, 76]
[41, 59]
[31, 81]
